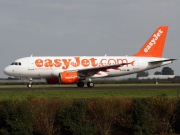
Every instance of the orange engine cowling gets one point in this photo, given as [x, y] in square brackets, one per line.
[52, 80]
[68, 77]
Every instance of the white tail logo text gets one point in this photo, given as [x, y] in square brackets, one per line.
[153, 41]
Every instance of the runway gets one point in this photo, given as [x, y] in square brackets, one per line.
[98, 87]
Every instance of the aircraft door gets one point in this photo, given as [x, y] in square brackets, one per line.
[30, 63]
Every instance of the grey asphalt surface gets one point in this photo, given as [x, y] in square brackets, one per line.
[99, 87]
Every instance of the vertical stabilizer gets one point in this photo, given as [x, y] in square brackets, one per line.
[155, 44]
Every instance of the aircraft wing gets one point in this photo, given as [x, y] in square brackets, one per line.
[100, 68]
[93, 70]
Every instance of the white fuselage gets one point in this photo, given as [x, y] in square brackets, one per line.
[46, 67]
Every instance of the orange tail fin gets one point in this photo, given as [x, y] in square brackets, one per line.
[155, 44]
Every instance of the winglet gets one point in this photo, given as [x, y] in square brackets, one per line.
[155, 44]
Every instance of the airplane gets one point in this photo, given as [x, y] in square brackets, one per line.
[76, 69]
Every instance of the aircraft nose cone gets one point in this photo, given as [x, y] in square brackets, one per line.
[6, 71]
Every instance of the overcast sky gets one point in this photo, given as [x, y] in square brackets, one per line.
[85, 27]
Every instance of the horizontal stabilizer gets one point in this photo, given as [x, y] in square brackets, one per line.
[154, 62]
[160, 61]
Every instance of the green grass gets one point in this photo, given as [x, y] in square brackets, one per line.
[21, 95]
[85, 93]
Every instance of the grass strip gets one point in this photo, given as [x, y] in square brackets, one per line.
[51, 94]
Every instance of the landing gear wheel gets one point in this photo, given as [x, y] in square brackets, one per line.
[29, 85]
[80, 84]
[90, 84]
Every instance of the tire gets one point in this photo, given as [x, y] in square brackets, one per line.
[29, 85]
[80, 84]
[90, 84]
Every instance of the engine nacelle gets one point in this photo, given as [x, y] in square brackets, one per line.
[68, 77]
[64, 78]
[52, 80]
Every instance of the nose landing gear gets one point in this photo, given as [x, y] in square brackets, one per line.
[29, 85]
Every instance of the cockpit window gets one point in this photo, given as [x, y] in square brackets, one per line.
[16, 63]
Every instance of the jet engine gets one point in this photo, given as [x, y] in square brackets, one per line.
[68, 77]
[64, 78]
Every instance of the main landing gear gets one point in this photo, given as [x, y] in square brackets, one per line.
[29, 85]
[89, 84]
[80, 84]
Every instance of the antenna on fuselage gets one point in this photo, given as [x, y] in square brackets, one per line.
[31, 55]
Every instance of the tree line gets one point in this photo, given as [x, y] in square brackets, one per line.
[164, 71]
